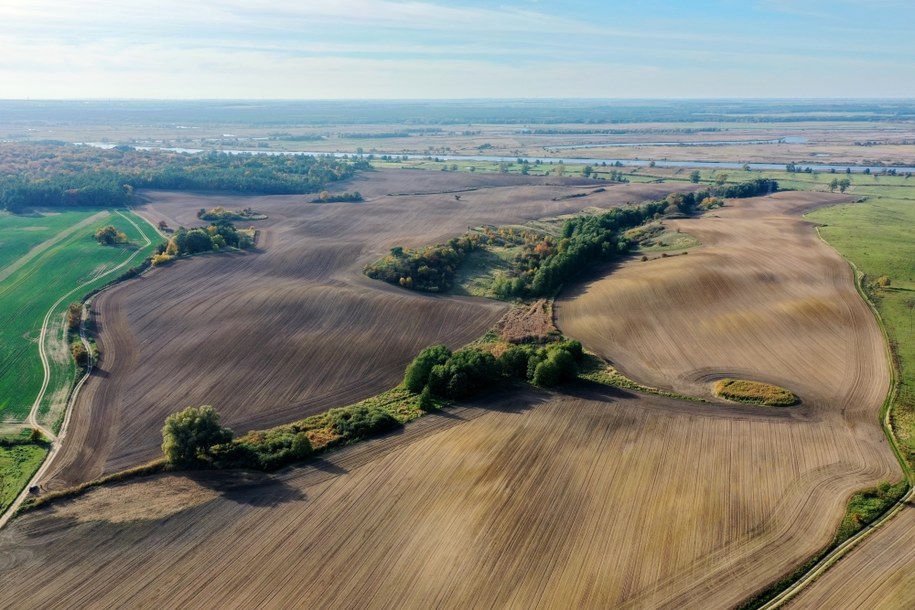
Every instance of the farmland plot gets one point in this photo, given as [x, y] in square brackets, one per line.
[292, 328]
[591, 498]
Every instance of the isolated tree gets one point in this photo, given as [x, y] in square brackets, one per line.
[188, 435]
[110, 235]
[80, 355]
[74, 315]
[884, 281]
[833, 185]
[721, 179]
[844, 183]
[587, 171]
[694, 176]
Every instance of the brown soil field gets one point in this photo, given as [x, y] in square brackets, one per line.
[293, 327]
[592, 498]
[878, 573]
[763, 299]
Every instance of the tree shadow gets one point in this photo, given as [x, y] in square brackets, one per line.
[597, 392]
[248, 487]
[324, 466]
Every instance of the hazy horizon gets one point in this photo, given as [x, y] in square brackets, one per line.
[464, 50]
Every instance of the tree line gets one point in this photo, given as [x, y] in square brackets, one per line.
[543, 262]
[437, 371]
[54, 176]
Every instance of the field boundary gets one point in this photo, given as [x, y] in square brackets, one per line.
[56, 440]
[823, 563]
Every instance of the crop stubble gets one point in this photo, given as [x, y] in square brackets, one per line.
[596, 498]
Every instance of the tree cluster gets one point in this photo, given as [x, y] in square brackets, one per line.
[437, 371]
[344, 197]
[215, 236]
[430, 269]
[220, 213]
[110, 236]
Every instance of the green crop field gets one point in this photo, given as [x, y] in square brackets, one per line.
[69, 267]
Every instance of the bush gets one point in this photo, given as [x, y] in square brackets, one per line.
[425, 400]
[74, 315]
[559, 366]
[513, 362]
[110, 236]
[264, 450]
[361, 421]
[80, 355]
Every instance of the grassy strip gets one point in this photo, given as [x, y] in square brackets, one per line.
[864, 508]
[754, 392]
[325, 431]
[282, 445]
[18, 463]
[593, 368]
[151, 468]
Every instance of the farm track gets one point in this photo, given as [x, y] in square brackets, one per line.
[32, 419]
[879, 573]
[37, 250]
[591, 498]
[293, 327]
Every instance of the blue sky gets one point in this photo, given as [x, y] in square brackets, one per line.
[376, 49]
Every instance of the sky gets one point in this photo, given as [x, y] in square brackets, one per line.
[424, 49]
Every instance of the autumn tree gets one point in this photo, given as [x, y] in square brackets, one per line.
[110, 236]
[189, 435]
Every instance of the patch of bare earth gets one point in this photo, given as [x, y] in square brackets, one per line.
[528, 323]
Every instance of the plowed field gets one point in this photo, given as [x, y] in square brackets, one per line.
[292, 328]
[594, 498]
[879, 573]
[598, 499]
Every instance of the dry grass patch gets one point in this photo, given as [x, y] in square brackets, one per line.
[754, 392]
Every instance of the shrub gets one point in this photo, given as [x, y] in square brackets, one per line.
[80, 355]
[110, 236]
[425, 400]
[465, 373]
[513, 362]
[559, 366]
[74, 315]
[361, 421]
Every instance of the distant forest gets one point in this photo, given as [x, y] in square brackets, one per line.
[65, 175]
[23, 114]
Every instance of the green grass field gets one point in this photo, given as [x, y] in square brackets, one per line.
[74, 264]
[17, 465]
